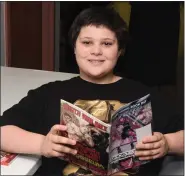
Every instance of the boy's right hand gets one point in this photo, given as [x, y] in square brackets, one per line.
[54, 145]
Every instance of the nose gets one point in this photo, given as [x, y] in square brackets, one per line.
[96, 50]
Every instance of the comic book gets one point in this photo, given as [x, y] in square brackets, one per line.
[7, 158]
[105, 148]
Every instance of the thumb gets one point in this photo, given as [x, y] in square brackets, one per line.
[57, 128]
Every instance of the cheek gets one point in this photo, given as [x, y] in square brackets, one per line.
[112, 54]
[81, 51]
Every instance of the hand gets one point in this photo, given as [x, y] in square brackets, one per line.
[120, 174]
[54, 145]
[152, 147]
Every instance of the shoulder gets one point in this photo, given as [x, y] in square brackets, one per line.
[134, 86]
[142, 89]
[54, 86]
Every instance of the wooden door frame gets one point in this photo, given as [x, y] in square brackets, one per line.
[48, 18]
[47, 35]
[7, 37]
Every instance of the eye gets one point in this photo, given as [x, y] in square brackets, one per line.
[107, 43]
[86, 42]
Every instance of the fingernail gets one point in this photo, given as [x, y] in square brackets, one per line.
[75, 152]
[64, 127]
[74, 142]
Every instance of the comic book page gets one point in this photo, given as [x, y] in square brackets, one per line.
[92, 136]
[7, 158]
[129, 125]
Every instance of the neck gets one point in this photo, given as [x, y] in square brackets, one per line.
[107, 79]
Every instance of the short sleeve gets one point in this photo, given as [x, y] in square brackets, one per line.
[166, 118]
[28, 113]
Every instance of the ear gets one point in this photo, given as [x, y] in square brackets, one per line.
[121, 52]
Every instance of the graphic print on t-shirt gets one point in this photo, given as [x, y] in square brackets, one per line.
[101, 109]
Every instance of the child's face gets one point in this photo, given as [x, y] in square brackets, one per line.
[96, 51]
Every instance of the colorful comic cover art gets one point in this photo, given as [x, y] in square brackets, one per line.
[92, 139]
[7, 158]
[124, 135]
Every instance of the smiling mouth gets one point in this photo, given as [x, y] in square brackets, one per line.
[96, 62]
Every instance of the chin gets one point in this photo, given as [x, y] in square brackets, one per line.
[96, 75]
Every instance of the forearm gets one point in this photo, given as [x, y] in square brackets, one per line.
[175, 142]
[17, 140]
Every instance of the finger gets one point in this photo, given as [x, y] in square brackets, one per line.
[146, 153]
[56, 128]
[150, 157]
[57, 154]
[147, 146]
[145, 158]
[62, 140]
[120, 174]
[154, 138]
[64, 149]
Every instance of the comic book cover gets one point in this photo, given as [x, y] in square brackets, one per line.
[7, 158]
[92, 136]
[129, 125]
[106, 132]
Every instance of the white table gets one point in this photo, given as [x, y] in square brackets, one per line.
[22, 165]
[15, 83]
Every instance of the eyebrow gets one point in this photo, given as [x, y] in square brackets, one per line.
[102, 38]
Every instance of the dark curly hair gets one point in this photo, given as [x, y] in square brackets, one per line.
[100, 16]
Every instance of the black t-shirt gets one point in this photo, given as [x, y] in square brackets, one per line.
[40, 110]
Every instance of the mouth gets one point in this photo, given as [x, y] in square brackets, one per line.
[96, 62]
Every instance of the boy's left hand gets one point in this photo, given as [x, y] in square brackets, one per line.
[152, 147]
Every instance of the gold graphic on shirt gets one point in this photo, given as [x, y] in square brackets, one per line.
[101, 109]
